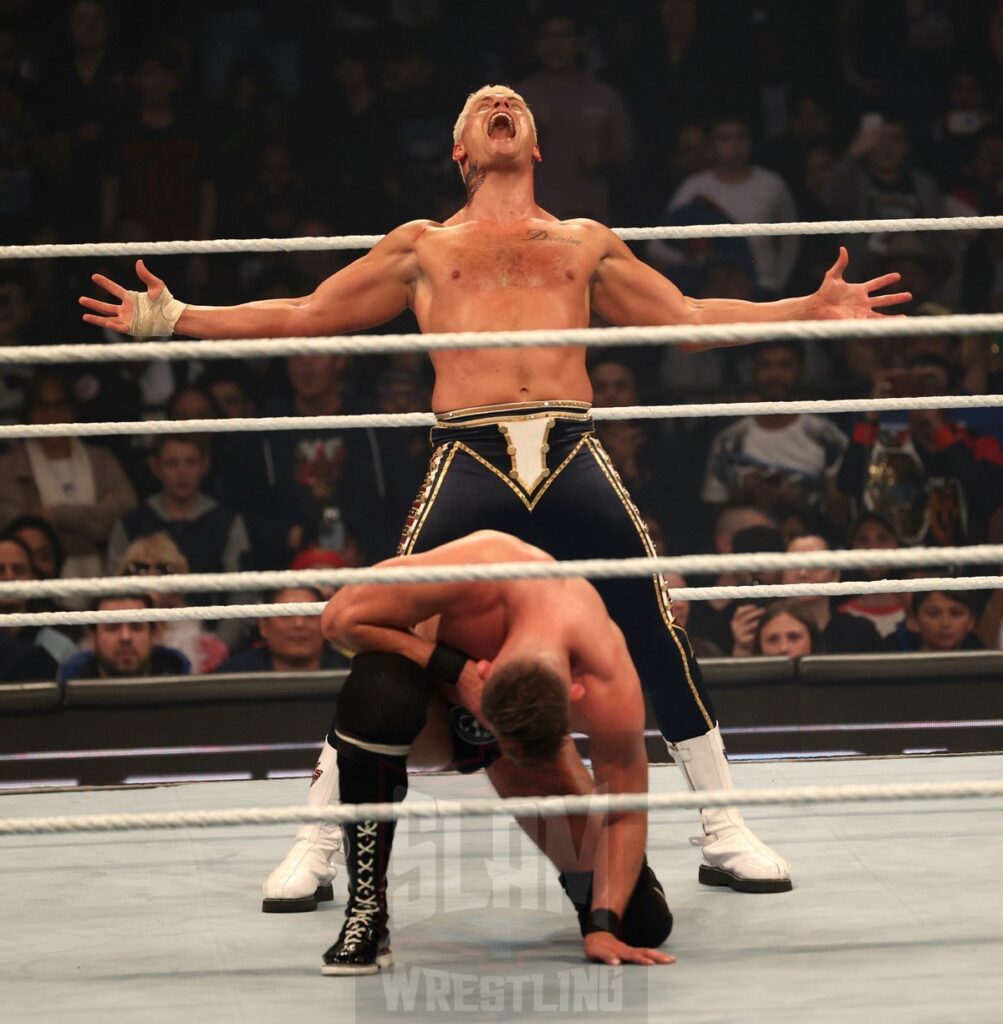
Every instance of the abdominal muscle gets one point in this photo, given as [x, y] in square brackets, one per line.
[495, 376]
[505, 375]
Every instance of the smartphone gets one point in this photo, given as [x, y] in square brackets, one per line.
[759, 602]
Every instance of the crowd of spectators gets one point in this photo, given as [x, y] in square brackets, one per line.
[144, 121]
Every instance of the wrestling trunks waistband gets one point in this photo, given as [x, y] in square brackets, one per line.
[520, 434]
[485, 415]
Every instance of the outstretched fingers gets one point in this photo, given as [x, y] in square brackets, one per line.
[836, 270]
[152, 282]
[110, 322]
[607, 949]
[654, 956]
[882, 282]
[98, 306]
[632, 955]
[109, 285]
[895, 299]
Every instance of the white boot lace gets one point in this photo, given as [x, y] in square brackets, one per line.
[365, 906]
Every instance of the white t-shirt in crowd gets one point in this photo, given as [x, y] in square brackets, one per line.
[807, 451]
[761, 198]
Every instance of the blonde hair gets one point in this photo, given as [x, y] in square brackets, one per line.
[474, 97]
[156, 548]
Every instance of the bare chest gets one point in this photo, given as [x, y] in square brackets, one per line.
[529, 259]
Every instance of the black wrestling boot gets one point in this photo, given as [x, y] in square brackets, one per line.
[647, 921]
[363, 947]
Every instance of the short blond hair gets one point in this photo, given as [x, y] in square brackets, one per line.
[156, 548]
[474, 97]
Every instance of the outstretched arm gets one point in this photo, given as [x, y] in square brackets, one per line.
[627, 292]
[371, 290]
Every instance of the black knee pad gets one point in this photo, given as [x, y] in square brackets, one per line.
[647, 921]
[384, 699]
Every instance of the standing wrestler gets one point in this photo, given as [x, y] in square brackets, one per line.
[544, 658]
[514, 448]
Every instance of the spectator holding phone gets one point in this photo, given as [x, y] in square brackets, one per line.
[731, 625]
[876, 179]
[786, 630]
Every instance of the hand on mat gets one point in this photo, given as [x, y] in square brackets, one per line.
[608, 949]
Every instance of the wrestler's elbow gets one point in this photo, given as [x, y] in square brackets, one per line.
[312, 316]
[690, 313]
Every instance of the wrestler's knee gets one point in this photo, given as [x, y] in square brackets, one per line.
[384, 699]
[647, 921]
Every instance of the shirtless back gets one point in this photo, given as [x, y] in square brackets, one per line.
[563, 620]
[558, 624]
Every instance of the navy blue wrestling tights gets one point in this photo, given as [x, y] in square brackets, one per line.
[580, 509]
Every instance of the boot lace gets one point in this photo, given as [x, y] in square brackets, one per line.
[365, 905]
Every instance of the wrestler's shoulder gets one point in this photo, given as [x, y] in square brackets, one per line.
[586, 226]
[594, 234]
[409, 232]
[417, 232]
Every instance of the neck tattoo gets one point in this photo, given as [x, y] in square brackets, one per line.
[473, 179]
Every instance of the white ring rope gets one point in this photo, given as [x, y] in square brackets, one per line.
[312, 608]
[321, 242]
[541, 807]
[239, 424]
[588, 337]
[591, 568]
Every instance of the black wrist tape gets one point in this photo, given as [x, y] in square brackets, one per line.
[446, 664]
[602, 920]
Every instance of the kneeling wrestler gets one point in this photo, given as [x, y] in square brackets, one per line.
[495, 675]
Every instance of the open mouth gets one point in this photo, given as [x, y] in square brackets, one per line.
[501, 125]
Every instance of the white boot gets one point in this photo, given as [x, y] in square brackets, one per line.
[304, 876]
[732, 855]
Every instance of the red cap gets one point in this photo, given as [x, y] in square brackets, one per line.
[318, 558]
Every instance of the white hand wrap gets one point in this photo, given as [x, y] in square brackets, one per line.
[155, 318]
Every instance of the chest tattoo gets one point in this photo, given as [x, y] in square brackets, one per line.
[539, 235]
